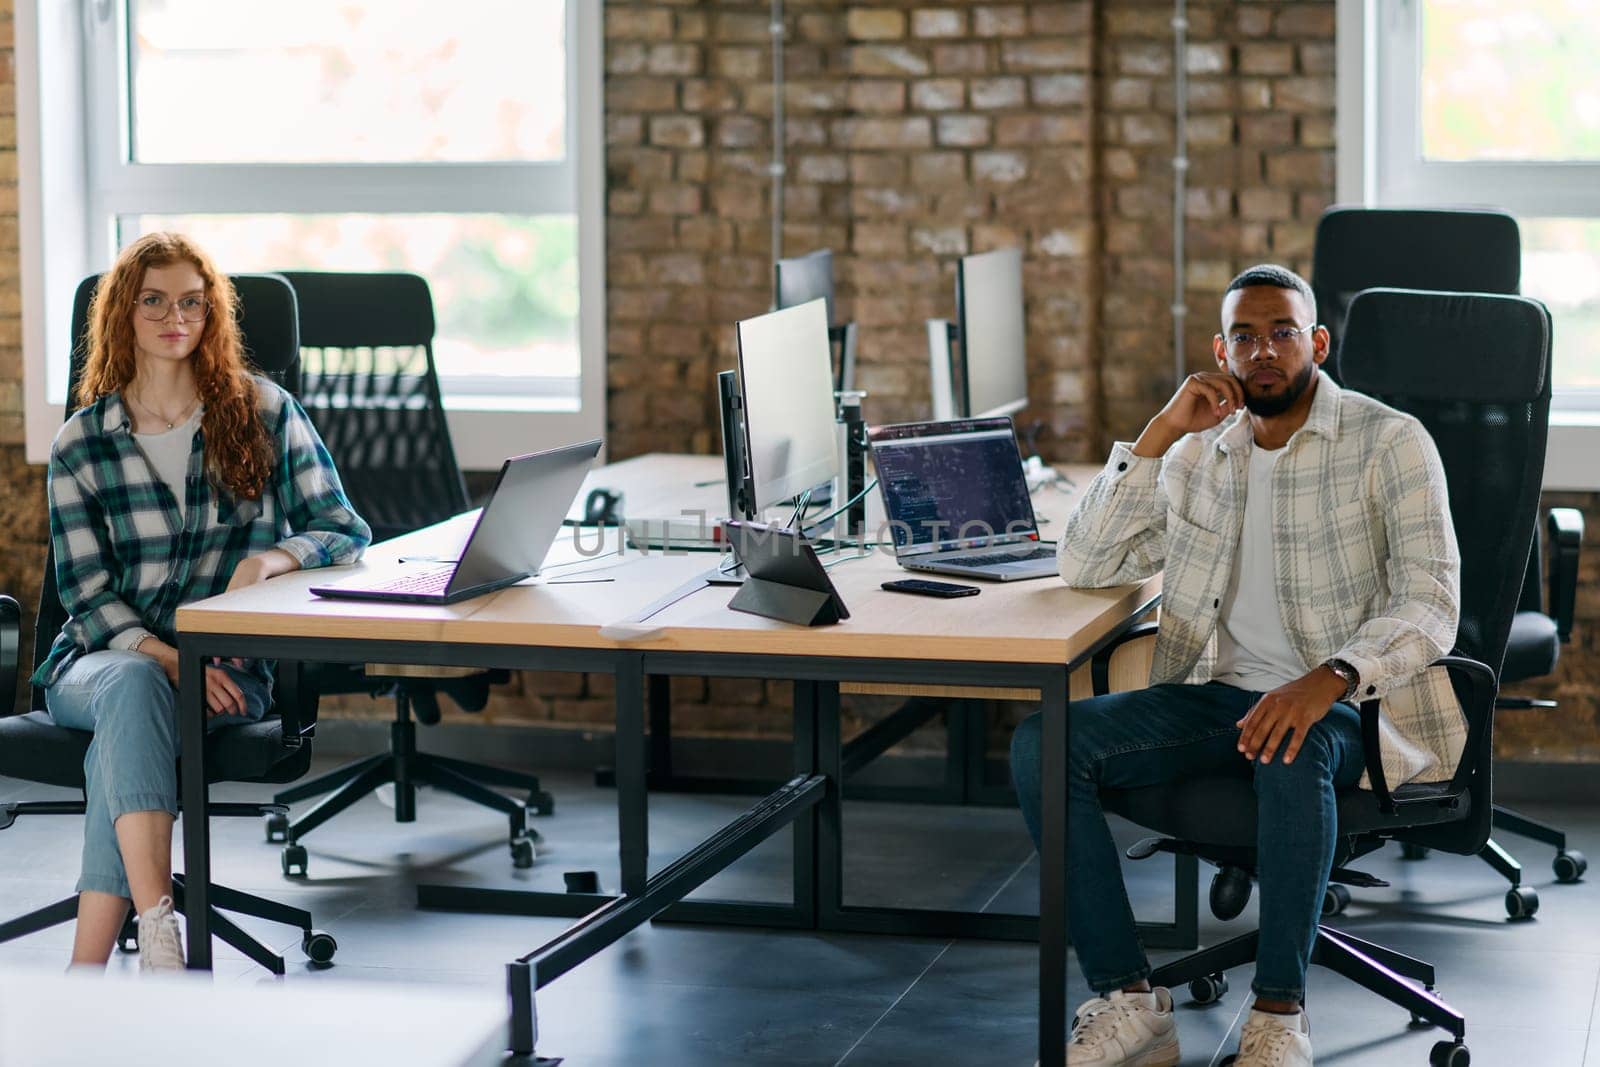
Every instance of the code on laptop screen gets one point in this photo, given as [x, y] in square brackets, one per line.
[956, 483]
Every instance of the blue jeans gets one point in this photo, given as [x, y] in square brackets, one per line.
[1168, 733]
[125, 700]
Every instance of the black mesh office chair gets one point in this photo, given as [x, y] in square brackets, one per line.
[369, 384]
[1475, 369]
[275, 750]
[1479, 252]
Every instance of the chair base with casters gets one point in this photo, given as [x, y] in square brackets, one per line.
[405, 768]
[318, 946]
[1230, 802]
[1377, 969]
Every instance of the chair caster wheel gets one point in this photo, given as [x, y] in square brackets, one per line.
[318, 946]
[1209, 989]
[294, 861]
[1230, 892]
[1522, 902]
[277, 827]
[1413, 852]
[1335, 899]
[540, 803]
[1569, 866]
[522, 852]
[1448, 1054]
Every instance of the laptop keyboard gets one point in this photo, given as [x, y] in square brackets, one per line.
[997, 557]
[424, 582]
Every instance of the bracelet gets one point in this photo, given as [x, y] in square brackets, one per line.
[140, 643]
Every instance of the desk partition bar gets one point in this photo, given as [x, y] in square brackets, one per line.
[611, 921]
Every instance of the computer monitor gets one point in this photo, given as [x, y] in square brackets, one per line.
[786, 385]
[993, 370]
[803, 278]
[994, 346]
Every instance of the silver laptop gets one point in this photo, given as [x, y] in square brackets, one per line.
[508, 543]
[957, 501]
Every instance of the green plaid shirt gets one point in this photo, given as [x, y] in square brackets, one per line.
[125, 554]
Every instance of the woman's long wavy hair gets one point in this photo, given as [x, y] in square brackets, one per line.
[239, 453]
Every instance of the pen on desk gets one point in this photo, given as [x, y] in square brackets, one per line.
[709, 482]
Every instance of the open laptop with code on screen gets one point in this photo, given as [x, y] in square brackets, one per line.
[957, 499]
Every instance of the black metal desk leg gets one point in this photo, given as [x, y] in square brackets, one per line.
[830, 813]
[633, 805]
[192, 795]
[805, 827]
[1053, 873]
[659, 688]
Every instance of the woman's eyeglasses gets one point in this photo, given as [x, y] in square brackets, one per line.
[154, 307]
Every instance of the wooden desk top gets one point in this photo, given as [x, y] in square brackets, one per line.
[1040, 621]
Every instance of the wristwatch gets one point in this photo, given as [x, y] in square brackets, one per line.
[1348, 674]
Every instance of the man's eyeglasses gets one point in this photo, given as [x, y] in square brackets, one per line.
[1242, 345]
[154, 307]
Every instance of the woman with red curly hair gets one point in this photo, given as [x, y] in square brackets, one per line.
[182, 475]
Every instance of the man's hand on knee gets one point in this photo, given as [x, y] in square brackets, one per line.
[1287, 714]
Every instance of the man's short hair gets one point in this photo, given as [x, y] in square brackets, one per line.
[1275, 276]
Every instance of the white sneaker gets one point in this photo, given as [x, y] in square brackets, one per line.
[160, 939]
[1270, 1040]
[1125, 1030]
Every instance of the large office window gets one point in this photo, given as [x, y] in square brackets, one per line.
[460, 142]
[1483, 102]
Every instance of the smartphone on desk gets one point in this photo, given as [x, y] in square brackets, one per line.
[923, 587]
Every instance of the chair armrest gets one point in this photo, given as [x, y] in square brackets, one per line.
[295, 698]
[1475, 686]
[1565, 527]
[10, 650]
[1100, 663]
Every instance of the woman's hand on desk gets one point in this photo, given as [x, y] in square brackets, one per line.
[223, 695]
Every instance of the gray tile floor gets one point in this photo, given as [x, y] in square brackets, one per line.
[677, 995]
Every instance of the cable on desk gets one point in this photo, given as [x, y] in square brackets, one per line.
[863, 554]
[621, 548]
[842, 508]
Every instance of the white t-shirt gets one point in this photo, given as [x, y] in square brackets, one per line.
[1253, 651]
[168, 453]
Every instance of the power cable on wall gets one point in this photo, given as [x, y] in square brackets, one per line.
[1180, 183]
[777, 167]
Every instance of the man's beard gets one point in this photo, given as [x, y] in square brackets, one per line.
[1277, 404]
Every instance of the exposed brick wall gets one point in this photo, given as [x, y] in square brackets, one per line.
[22, 513]
[918, 130]
[1572, 730]
[915, 133]
[1260, 132]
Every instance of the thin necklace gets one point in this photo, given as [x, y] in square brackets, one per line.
[172, 423]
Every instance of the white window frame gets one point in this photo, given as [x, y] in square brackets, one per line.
[1378, 65]
[75, 179]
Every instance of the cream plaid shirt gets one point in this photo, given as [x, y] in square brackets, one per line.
[1364, 555]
